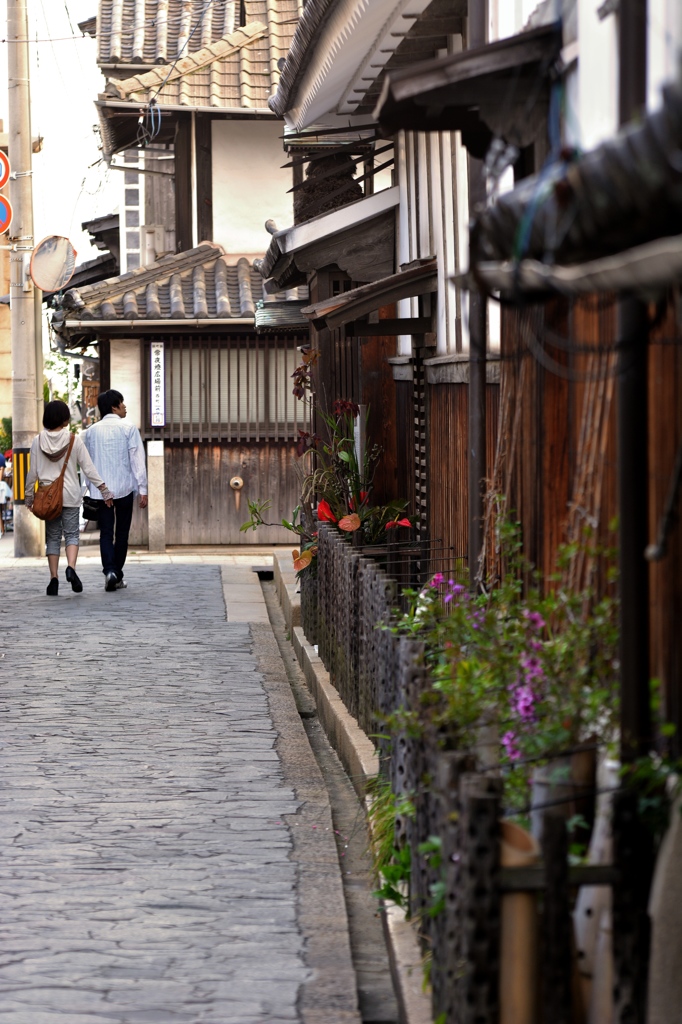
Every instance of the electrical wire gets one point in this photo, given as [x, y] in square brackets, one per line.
[149, 122]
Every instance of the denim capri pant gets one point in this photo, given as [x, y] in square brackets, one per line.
[66, 523]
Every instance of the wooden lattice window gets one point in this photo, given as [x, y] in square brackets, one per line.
[235, 389]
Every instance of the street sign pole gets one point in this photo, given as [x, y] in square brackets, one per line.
[25, 405]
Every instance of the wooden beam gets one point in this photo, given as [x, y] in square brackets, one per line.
[532, 879]
[204, 178]
[183, 185]
[406, 325]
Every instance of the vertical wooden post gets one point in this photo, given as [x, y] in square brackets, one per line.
[557, 959]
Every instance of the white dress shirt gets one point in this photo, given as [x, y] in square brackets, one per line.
[118, 453]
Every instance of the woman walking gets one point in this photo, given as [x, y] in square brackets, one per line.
[48, 452]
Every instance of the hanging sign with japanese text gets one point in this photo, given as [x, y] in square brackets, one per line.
[158, 379]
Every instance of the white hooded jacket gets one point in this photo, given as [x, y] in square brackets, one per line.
[45, 470]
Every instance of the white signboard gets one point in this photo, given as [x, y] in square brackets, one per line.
[158, 377]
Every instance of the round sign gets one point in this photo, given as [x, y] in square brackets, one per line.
[52, 263]
[5, 214]
[4, 169]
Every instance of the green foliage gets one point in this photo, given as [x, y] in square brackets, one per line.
[657, 781]
[527, 661]
[432, 851]
[337, 480]
[6, 433]
[391, 865]
[257, 510]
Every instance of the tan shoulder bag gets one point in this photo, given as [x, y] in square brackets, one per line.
[49, 500]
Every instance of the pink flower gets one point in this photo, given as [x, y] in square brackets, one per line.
[534, 619]
[523, 703]
[436, 580]
[510, 746]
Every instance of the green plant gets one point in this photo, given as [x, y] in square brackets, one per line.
[391, 865]
[527, 660]
[6, 433]
[337, 477]
[657, 782]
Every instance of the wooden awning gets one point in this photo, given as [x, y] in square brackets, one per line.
[647, 268]
[349, 306]
[473, 91]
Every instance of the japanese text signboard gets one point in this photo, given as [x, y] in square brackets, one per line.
[158, 379]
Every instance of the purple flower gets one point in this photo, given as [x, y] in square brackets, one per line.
[448, 597]
[457, 588]
[534, 619]
[510, 746]
[532, 669]
[523, 703]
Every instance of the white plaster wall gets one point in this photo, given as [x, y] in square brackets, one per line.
[249, 186]
[596, 117]
[663, 42]
[125, 376]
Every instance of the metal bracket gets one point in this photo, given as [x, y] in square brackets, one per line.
[20, 174]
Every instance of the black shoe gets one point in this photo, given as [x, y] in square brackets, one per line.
[53, 587]
[110, 581]
[73, 579]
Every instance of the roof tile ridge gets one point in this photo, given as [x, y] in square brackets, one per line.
[142, 276]
[171, 71]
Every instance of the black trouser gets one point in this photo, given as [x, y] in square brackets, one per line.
[114, 551]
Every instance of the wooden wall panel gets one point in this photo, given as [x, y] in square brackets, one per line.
[202, 508]
[558, 365]
[448, 463]
[378, 392]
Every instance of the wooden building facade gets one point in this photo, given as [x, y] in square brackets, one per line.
[184, 112]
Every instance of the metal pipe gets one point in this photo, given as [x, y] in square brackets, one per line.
[632, 434]
[478, 338]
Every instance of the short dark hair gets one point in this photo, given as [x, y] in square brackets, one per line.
[55, 415]
[107, 400]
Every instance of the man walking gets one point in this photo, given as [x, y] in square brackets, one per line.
[116, 448]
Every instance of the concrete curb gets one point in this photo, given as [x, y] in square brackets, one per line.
[287, 589]
[360, 759]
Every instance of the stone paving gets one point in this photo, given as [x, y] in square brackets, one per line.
[147, 871]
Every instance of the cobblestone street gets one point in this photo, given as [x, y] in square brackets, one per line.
[160, 810]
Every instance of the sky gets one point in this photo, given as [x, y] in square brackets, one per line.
[67, 188]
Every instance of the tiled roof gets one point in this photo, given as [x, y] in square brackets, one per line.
[195, 285]
[281, 316]
[208, 67]
[225, 64]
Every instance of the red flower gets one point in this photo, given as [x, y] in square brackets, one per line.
[398, 522]
[363, 499]
[342, 407]
[324, 513]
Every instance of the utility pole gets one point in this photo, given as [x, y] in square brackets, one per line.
[27, 533]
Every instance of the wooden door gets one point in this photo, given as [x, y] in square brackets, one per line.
[202, 507]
